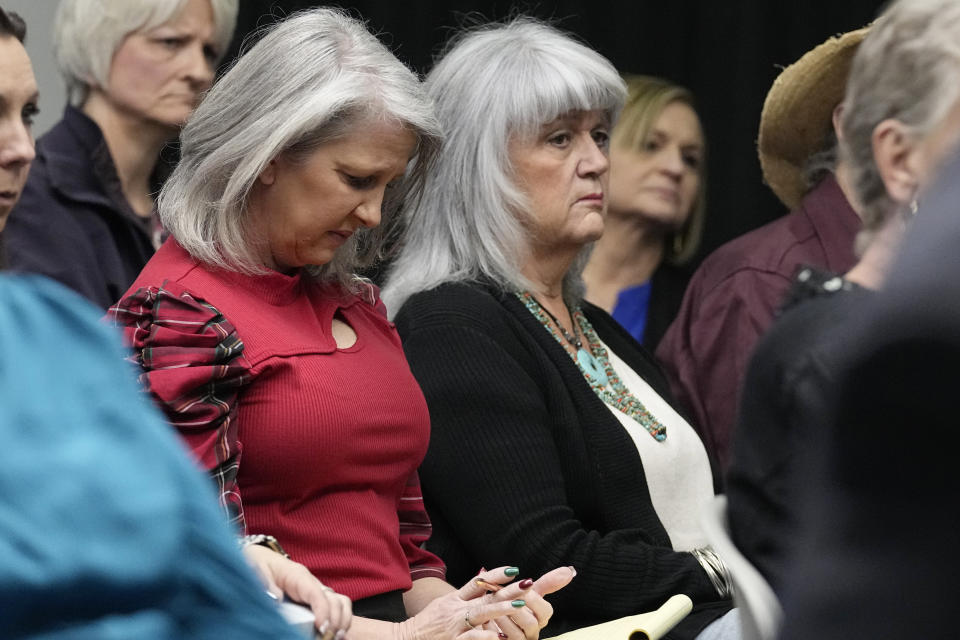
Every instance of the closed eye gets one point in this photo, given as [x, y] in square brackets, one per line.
[359, 182]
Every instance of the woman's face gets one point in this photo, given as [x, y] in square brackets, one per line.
[18, 106]
[305, 210]
[563, 172]
[158, 75]
[659, 181]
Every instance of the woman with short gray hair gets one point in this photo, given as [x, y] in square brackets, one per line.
[135, 70]
[901, 112]
[904, 81]
[544, 412]
[255, 334]
[882, 507]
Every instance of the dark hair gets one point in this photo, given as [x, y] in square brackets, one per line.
[12, 25]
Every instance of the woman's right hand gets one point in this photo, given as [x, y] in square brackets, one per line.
[460, 615]
[282, 576]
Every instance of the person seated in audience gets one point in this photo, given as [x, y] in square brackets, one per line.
[554, 440]
[732, 297]
[655, 212]
[275, 363]
[135, 70]
[881, 517]
[895, 102]
[106, 528]
[18, 107]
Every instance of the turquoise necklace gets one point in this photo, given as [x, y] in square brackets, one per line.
[595, 365]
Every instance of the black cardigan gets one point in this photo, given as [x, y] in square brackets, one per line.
[528, 467]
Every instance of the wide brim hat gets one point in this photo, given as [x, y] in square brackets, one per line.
[798, 113]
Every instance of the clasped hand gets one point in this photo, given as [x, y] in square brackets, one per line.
[517, 611]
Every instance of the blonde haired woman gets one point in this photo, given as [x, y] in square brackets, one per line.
[656, 209]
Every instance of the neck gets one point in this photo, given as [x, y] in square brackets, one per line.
[134, 146]
[546, 269]
[845, 182]
[872, 269]
[627, 254]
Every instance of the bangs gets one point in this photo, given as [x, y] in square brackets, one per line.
[545, 88]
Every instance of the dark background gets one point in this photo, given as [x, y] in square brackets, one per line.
[728, 52]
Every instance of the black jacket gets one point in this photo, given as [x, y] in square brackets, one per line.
[782, 415]
[72, 223]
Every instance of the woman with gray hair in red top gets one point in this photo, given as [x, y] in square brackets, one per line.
[276, 363]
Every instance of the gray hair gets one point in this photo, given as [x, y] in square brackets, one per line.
[87, 33]
[309, 80]
[822, 162]
[493, 83]
[908, 69]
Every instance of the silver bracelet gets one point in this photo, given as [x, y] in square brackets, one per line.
[715, 569]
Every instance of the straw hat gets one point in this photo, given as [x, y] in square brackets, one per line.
[798, 113]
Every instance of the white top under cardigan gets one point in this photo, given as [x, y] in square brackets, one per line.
[677, 470]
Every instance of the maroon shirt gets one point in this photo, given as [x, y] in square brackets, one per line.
[731, 300]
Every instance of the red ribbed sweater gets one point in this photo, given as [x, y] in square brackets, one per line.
[330, 438]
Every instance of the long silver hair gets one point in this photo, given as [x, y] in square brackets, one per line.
[494, 82]
[310, 79]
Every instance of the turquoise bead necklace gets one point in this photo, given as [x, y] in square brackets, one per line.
[595, 365]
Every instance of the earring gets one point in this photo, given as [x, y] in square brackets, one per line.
[913, 207]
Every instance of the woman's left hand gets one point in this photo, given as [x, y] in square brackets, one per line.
[526, 622]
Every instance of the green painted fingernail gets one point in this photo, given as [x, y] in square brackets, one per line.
[518, 603]
[512, 572]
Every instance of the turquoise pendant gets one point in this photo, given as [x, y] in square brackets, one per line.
[591, 367]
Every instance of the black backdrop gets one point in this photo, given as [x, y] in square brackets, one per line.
[727, 51]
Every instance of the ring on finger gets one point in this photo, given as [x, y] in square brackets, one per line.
[466, 619]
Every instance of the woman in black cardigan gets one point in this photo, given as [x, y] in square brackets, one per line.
[553, 439]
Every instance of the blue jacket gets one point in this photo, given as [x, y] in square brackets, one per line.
[108, 531]
[73, 223]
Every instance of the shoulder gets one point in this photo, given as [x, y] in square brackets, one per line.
[452, 303]
[31, 300]
[806, 330]
[63, 187]
[170, 263]
[63, 149]
[758, 251]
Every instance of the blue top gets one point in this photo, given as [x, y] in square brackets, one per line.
[631, 309]
[107, 530]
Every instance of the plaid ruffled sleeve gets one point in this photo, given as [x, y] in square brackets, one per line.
[193, 365]
[415, 529]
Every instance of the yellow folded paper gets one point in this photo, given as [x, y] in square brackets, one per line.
[643, 626]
